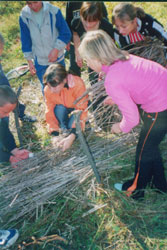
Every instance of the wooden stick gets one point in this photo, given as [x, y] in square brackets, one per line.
[85, 145]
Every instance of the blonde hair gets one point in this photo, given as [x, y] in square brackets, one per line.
[99, 45]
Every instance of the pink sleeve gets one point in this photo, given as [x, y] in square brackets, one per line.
[129, 110]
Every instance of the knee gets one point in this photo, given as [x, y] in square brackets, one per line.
[60, 110]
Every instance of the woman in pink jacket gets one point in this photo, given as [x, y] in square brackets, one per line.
[133, 81]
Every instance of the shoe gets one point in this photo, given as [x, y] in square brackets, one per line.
[27, 118]
[118, 186]
[8, 238]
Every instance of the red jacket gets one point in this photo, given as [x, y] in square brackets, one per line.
[66, 97]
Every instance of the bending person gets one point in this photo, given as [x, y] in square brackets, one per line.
[61, 90]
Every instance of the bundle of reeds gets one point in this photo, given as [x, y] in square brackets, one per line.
[51, 173]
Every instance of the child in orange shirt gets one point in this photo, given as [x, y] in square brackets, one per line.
[61, 90]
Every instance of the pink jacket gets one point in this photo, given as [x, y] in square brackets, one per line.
[136, 81]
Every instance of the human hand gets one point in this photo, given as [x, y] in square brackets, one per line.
[53, 55]
[19, 155]
[67, 142]
[68, 46]
[108, 101]
[31, 67]
[115, 129]
[101, 76]
[78, 60]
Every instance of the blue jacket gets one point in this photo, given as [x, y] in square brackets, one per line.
[3, 78]
[53, 33]
[7, 140]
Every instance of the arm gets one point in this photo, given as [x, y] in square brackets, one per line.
[129, 110]
[49, 113]
[6, 137]
[156, 29]
[63, 39]
[77, 41]
[64, 31]
[79, 89]
[26, 44]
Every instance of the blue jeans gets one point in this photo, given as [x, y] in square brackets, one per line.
[62, 115]
[41, 69]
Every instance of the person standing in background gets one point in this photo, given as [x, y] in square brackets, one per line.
[72, 13]
[44, 36]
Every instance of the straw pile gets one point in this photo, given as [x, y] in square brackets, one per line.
[51, 173]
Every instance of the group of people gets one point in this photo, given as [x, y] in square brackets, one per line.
[137, 85]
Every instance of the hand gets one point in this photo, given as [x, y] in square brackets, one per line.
[68, 46]
[101, 76]
[31, 67]
[18, 155]
[78, 60]
[116, 128]
[67, 142]
[21, 154]
[108, 101]
[53, 55]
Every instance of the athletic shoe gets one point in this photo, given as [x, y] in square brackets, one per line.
[118, 186]
[27, 118]
[8, 238]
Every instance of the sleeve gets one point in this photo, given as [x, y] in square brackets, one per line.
[104, 10]
[157, 30]
[107, 27]
[3, 78]
[79, 89]
[129, 110]
[51, 120]
[26, 42]
[6, 137]
[69, 15]
[64, 36]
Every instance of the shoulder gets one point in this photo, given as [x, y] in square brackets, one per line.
[74, 81]
[50, 7]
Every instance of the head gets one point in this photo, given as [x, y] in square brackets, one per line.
[1, 44]
[35, 5]
[124, 17]
[91, 14]
[55, 77]
[8, 100]
[98, 48]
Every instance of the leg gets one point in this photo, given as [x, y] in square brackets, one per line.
[61, 113]
[148, 158]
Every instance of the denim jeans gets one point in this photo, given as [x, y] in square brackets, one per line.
[41, 69]
[62, 115]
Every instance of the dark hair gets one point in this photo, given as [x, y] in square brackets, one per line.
[91, 11]
[127, 11]
[55, 74]
[7, 95]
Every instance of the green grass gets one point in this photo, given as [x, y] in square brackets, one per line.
[122, 224]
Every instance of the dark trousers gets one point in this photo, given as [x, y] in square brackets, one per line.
[149, 165]
[62, 115]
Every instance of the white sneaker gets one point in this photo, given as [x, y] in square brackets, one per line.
[118, 186]
[8, 238]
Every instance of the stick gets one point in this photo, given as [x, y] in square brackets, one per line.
[85, 145]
